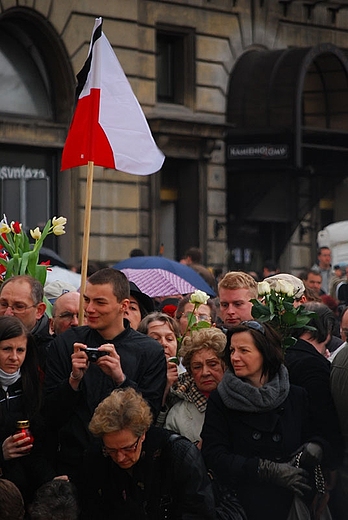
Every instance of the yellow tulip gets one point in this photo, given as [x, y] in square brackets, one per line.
[58, 229]
[35, 233]
[60, 221]
[4, 228]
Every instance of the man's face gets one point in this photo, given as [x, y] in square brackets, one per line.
[66, 312]
[123, 447]
[102, 309]
[16, 300]
[324, 258]
[344, 326]
[313, 282]
[235, 306]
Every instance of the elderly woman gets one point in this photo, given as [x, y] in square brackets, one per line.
[202, 355]
[146, 472]
[255, 422]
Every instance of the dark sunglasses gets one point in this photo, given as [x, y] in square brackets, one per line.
[255, 325]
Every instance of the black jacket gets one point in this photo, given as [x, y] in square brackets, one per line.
[42, 338]
[70, 412]
[233, 442]
[311, 370]
[168, 482]
[32, 470]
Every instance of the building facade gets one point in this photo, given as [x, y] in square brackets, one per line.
[248, 100]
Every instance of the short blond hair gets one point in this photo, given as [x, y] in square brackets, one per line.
[239, 280]
[204, 339]
[124, 409]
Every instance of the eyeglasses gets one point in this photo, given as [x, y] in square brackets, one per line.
[127, 449]
[69, 316]
[199, 317]
[17, 308]
[255, 325]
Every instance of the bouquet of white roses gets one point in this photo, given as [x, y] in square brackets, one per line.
[276, 306]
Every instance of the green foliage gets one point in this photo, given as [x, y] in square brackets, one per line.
[278, 310]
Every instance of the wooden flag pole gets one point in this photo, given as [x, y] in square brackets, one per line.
[86, 233]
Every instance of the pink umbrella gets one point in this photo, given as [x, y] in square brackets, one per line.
[158, 282]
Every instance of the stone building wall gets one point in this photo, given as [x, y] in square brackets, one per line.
[124, 207]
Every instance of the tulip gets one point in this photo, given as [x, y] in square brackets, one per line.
[263, 288]
[60, 221]
[199, 297]
[35, 233]
[16, 227]
[4, 228]
[58, 229]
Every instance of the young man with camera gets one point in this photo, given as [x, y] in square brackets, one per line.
[85, 364]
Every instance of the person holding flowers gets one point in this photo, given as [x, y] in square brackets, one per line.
[193, 309]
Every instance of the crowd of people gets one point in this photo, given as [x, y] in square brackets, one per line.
[195, 413]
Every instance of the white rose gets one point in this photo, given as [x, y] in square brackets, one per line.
[286, 288]
[263, 288]
[199, 297]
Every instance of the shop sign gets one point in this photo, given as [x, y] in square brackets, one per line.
[22, 172]
[258, 151]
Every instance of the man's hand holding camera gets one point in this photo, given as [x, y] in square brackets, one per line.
[104, 356]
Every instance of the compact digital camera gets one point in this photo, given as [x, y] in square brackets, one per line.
[94, 354]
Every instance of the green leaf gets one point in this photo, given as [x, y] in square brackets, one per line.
[288, 318]
[24, 264]
[201, 325]
[289, 341]
[41, 274]
[49, 307]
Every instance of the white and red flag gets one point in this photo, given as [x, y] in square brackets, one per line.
[109, 127]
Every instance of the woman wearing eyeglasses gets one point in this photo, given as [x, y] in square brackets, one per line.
[202, 355]
[21, 458]
[255, 422]
[139, 471]
[205, 312]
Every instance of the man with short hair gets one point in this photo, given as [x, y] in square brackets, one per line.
[77, 379]
[309, 368]
[324, 267]
[313, 280]
[65, 312]
[236, 289]
[339, 390]
[22, 296]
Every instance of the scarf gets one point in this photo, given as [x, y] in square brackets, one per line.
[239, 395]
[7, 380]
[186, 389]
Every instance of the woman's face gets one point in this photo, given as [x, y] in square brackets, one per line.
[12, 353]
[246, 359]
[133, 313]
[202, 313]
[161, 332]
[206, 369]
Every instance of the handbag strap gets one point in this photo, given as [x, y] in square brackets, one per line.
[318, 474]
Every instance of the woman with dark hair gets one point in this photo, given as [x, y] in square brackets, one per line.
[21, 458]
[255, 422]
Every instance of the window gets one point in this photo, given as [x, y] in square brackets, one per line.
[175, 66]
[24, 87]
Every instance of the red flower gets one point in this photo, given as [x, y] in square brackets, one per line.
[16, 227]
[170, 310]
[48, 264]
